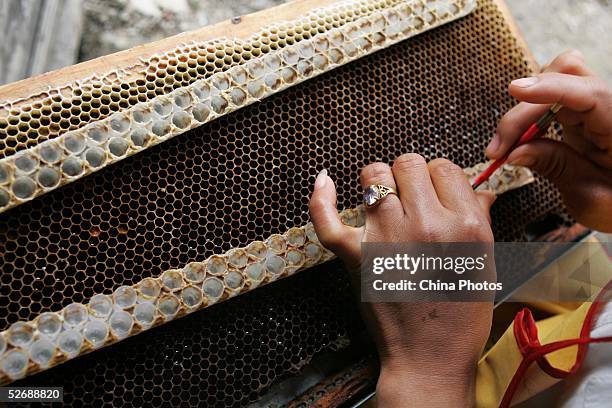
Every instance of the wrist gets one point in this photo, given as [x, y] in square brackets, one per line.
[425, 387]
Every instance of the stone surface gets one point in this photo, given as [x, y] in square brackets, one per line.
[113, 25]
[370, 196]
[549, 26]
[553, 26]
[37, 36]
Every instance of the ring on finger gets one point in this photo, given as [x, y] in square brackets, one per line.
[375, 193]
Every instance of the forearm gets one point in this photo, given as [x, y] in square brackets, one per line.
[419, 388]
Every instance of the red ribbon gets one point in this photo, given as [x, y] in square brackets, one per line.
[526, 335]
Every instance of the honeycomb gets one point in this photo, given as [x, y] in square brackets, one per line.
[244, 177]
[79, 328]
[77, 153]
[26, 122]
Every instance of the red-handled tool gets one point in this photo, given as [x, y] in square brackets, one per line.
[534, 131]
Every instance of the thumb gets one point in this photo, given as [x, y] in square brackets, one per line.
[343, 240]
[584, 186]
[486, 200]
[552, 159]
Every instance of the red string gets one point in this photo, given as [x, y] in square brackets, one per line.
[526, 335]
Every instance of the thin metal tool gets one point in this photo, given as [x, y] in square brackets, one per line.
[531, 133]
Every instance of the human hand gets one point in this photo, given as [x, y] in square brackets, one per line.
[581, 165]
[428, 351]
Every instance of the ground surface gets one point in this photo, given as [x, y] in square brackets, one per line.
[550, 26]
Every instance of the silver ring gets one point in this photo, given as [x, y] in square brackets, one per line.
[375, 193]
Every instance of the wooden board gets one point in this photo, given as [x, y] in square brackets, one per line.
[247, 26]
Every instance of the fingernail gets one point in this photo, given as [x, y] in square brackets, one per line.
[525, 82]
[321, 179]
[493, 146]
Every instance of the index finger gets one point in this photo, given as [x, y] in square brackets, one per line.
[581, 94]
[586, 98]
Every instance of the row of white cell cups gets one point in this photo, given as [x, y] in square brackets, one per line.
[77, 153]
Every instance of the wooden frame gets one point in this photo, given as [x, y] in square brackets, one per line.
[241, 28]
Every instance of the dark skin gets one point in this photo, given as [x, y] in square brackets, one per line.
[420, 361]
[435, 202]
[581, 165]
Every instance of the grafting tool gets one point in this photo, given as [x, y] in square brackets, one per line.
[536, 129]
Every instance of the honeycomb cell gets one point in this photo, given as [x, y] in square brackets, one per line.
[312, 252]
[50, 153]
[233, 280]
[162, 106]
[295, 258]
[75, 314]
[95, 332]
[98, 133]
[49, 324]
[277, 243]
[124, 297]
[238, 96]
[139, 137]
[72, 167]
[213, 288]
[148, 289]
[48, 177]
[118, 146]
[257, 249]
[70, 342]
[256, 89]
[182, 99]
[181, 120]
[172, 280]
[142, 114]
[296, 237]
[168, 306]
[120, 123]
[14, 363]
[121, 324]
[275, 264]
[42, 352]
[216, 265]
[95, 156]
[26, 163]
[161, 128]
[201, 112]
[256, 272]
[144, 314]
[24, 187]
[237, 258]
[20, 334]
[191, 297]
[219, 104]
[74, 143]
[100, 306]
[195, 272]
[5, 173]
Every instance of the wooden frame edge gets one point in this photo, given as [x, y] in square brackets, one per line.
[248, 25]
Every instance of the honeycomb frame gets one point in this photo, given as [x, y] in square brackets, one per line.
[75, 154]
[55, 337]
